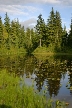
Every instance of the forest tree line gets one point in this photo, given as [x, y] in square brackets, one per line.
[50, 34]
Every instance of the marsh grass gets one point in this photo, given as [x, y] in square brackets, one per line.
[12, 95]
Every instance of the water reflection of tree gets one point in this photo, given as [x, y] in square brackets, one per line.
[69, 65]
[41, 74]
[30, 65]
[52, 71]
[13, 64]
[71, 82]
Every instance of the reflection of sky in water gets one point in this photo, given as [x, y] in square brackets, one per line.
[64, 93]
[29, 81]
[63, 90]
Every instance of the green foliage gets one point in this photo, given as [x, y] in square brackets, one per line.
[1, 33]
[70, 36]
[40, 29]
[35, 39]
[54, 29]
[51, 26]
[18, 34]
[7, 28]
[50, 35]
[58, 31]
[14, 95]
[50, 50]
[13, 36]
[28, 40]
[21, 37]
[12, 51]
[40, 50]
[7, 23]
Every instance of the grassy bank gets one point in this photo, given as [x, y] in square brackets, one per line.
[43, 50]
[50, 51]
[15, 94]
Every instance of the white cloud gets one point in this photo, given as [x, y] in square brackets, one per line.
[12, 2]
[51, 1]
[66, 2]
[23, 2]
[68, 29]
[12, 9]
[22, 13]
[23, 9]
[19, 9]
[29, 23]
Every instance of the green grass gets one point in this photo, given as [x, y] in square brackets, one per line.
[12, 51]
[51, 51]
[43, 50]
[14, 95]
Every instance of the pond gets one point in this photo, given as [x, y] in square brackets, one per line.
[49, 75]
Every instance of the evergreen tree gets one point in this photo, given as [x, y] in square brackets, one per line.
[18, 33]
[51, 35]
[7, 23]
[44, 37]
[13, 37]
[18, 26]
[58, 31]
[22, 37]
[51, 27]
[1, 33]
[7, 27]
[28, 34]
[32, 33]
[35, 39]
[40, 26]
[54, 30]
[64, 39]
[70, 36]
[28, 41]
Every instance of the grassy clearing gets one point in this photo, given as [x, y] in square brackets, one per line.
[43, 50]
[15, 94]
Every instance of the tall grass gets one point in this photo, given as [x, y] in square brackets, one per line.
[15, 94]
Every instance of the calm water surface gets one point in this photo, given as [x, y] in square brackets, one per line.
[52, 74]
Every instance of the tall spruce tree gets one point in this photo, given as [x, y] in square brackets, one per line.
[35, 39]
[7, 23]
[54, 30]
[51, 27]
[40, 26]
[70, 36]
[18, 26]
[13, 37]
[7, 27]
[1, 33]
[58, 31]
[22, 37]
[18, 33]
[64, 39]
[28, 40]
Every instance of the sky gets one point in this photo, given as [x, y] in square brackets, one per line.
[27, 11]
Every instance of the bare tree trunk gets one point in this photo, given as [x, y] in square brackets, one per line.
[40, 42]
